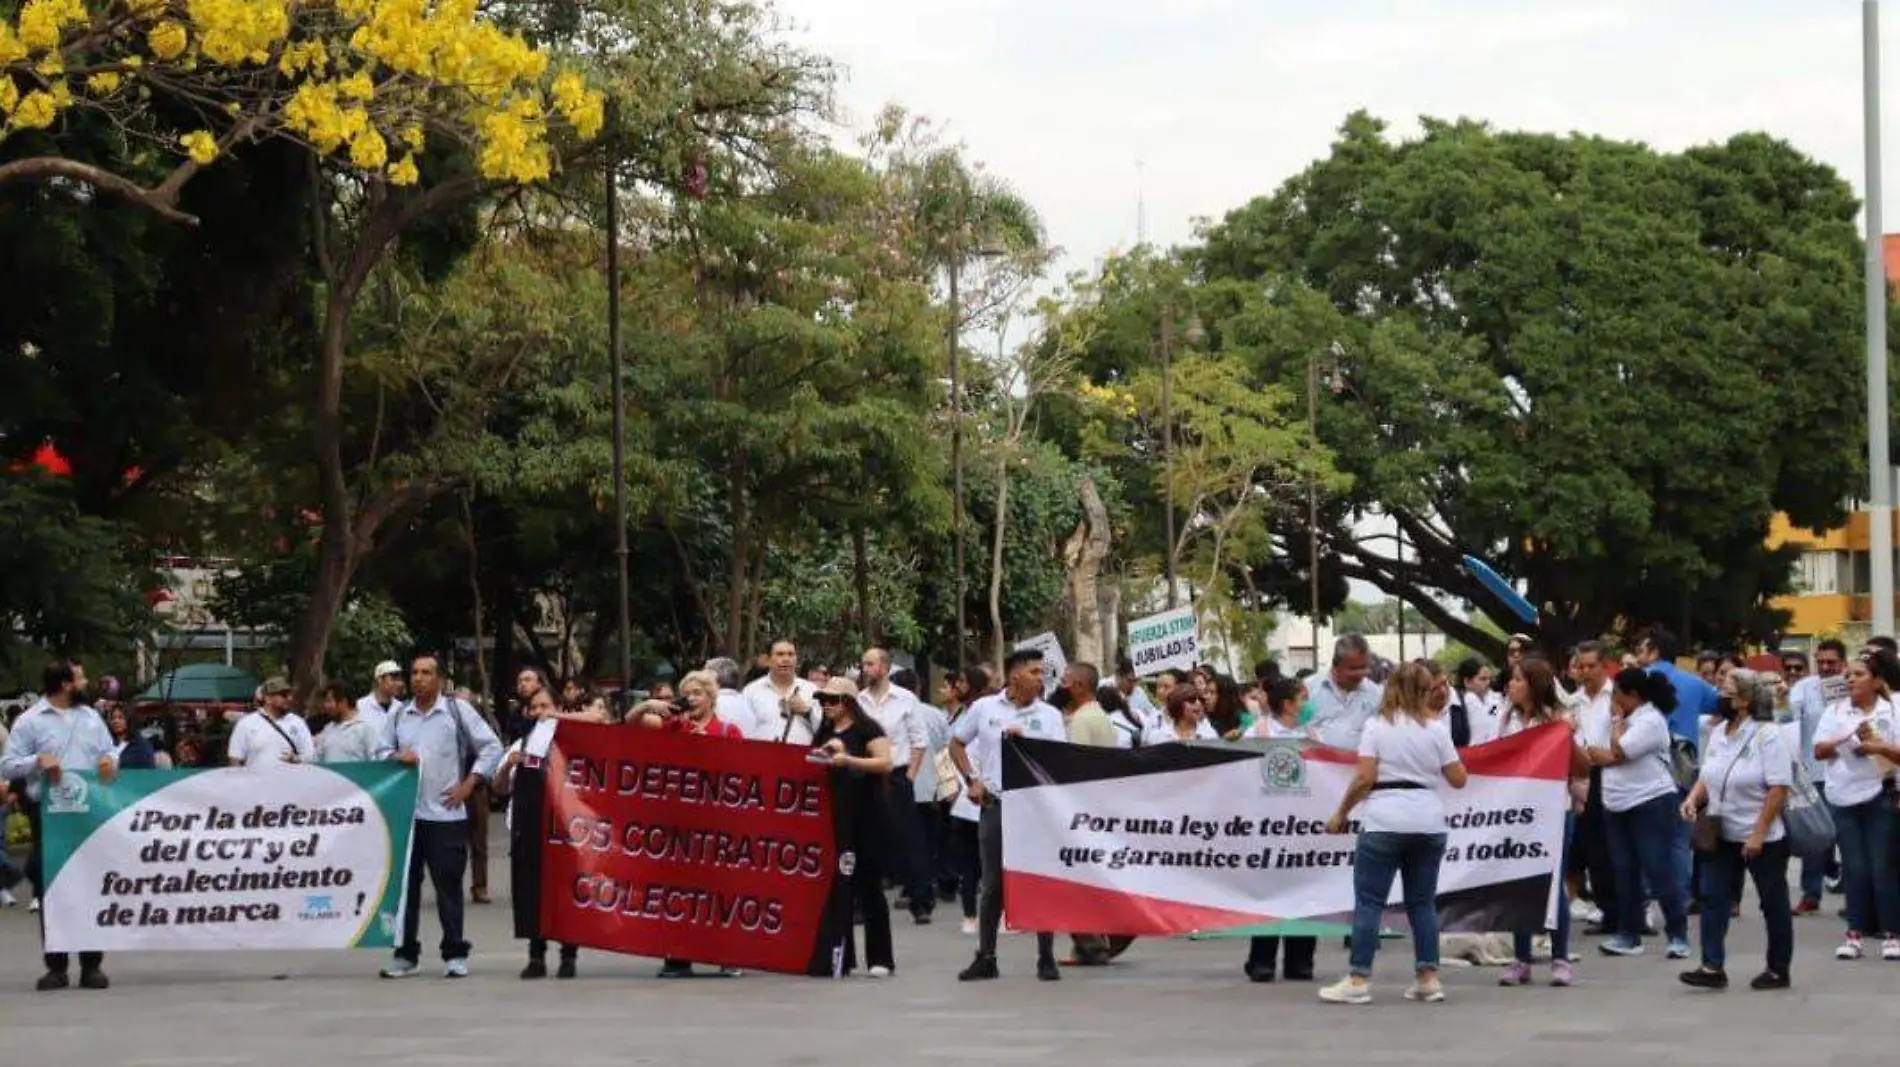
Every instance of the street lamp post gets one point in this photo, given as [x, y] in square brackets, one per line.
[1879, 460]
[1167, 444]
[1312, 504]
[956, 445]
[619, 398]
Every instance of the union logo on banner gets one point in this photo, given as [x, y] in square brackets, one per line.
[1283, 769]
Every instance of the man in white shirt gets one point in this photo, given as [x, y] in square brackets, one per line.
[384, 697]
[272, 735]
[1345, 699]
[780, 701]
[1590, 704]
[894, 709]
[1018, 711]
[731, 706]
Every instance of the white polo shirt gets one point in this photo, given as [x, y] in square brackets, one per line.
[768, 721]
[256, 742]
[371, 711]
[1853, 778]
[981, 729]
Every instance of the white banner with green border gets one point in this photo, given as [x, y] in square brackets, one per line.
[295, 856]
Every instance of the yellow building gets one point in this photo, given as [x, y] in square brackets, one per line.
[1831, 580]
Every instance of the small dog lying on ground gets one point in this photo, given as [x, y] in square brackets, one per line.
[1486, 950]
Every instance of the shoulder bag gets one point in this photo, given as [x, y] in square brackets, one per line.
[1707, 833]
[1805, 816]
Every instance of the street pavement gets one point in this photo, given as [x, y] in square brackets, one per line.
[1168, 1003]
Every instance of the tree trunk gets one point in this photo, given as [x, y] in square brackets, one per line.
[861, 576]
[736, 563]
[1083, 555]
[484, 682]
[336, 567]
[996, 564]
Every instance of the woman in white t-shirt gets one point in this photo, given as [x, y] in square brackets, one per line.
[1531, 700]
[1279, 716]
[1639, 804]
[1743, 783]
[1184, 719]
[1404, 754]
[1856, 740]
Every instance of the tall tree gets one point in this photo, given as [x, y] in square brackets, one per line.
[1601, 367]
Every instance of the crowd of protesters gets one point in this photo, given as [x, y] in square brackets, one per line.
[1679, 783]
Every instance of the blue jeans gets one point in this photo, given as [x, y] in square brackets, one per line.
[1378, 858]
[1642, 850]
[1682, 851]
[1865, 835]
[1559, 938]
[1722, 882]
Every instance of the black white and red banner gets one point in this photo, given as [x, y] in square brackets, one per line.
[1175, 839]
[679, 846]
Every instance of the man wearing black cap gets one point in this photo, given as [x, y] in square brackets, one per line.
[1018, 711]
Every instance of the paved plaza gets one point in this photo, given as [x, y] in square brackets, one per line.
[1168, 1004]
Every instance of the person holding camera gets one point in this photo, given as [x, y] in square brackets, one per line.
[780, 702]
[454, 751]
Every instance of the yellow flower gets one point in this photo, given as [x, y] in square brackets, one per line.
[403, 171]
[167, 40]
[11, 48]
[51, 67]
[103, 84]
[584, 110]
[413, 136]
[369, 150]
[42, 21]
[357, 86]
[9, 96]
[36, 112]
[200, 146]
[234, 32]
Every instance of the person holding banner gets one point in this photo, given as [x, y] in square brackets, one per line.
[1531, 700]
[58, 735]
[272, 735]
[521, 778]
[1404, 753]
[856, 746]
[1279, 722]
[1018, 711]
[454, 751]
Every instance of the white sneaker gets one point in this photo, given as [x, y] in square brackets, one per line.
[969, 927]
[878, 972]
[1347, 990]
[8, 900]
[455, 969]
[1426, 990]
[399, 968]
[35, 906]
[1890, 949]
[1850, 948]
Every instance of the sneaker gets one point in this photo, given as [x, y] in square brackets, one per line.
[399, 968]
[981, 969]
[1347, 990]
[969, 928]
[1850, 948]
[879, 971]
[1560, 973]
[8, 900]
[1047, 971]
[1620, 946]
[1678, 949]
[1516, 974]
[1705, 977]
[94, 979]
[1807, 907]
[731, 972]
[1769, 980]
[1427, 989]
[35, 906]
[455, 969]
[1890, 948]
[1832, 885]
[536, 968]
[920, 918]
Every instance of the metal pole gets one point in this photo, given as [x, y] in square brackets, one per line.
[1167, 439]
[1312, 502]
[619, 400]
[1879, 462]
[956, 451]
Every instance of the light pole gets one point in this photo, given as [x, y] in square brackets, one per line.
[958, 249]
[619, 399]
[1879, 461]
[1312, 503]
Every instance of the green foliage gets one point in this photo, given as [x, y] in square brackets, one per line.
[269, 595]
[1599, 366]
[68, 587]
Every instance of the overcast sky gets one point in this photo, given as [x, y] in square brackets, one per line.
[1221, 100]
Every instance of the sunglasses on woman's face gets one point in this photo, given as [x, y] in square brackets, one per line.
[830, 700]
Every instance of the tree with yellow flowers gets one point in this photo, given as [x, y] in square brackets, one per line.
[365, 84]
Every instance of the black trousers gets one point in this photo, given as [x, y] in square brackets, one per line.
[1591, 850]
[57, 962]
[441, 849]
[1298, 957]
[867, 891]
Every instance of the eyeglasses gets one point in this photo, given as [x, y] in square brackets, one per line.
[1794, 668]
[830, 699]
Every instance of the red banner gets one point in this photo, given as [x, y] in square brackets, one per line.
[694, 848]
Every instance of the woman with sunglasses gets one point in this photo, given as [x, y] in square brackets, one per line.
[860, 752]
[1184, 719]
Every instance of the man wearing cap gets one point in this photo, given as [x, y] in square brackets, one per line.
[273, 734]
[385, 699]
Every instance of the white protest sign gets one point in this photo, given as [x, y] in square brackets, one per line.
[1166, 641]
[1053, 661]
